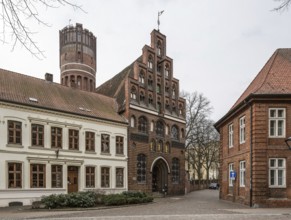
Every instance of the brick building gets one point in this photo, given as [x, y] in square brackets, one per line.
[148, 96]
[253, 134]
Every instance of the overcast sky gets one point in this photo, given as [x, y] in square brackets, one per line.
[218, 47]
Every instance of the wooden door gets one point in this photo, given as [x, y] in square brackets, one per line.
[72, 179]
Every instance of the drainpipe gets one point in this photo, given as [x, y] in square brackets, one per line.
[251, 156]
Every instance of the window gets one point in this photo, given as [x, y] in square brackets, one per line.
[277, 122]
[182, 133]
[277, 172]
[150, 62]
[37, 175]
[230, 135]
[141, 77]
[14, 132]
[133, 93]
[141, 97]
[230, 168]
[167, 129]
[73, 139]
[167, 148]
[14, 175]
[174, 92]
[242, 173]
[56, 137]
[90, 141]
[119, 177]
[159, 48]
[153, 145]
[132, 121]
[152, 125]
[160, 128]
[167, 71]
[37, 135]
[141, 168]
[105, 143]
[159, 106]
[57, 176]
[160, 146]
[175, 170]
[119, 145]
[175, 132]
[151, 101]
[242, 130]
[150, 81]
[105, 178]
[90, 177]
[142, 124]
[159, 88]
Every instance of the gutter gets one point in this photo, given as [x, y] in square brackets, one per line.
[251, 156]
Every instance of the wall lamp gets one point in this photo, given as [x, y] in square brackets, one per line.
[287, 142]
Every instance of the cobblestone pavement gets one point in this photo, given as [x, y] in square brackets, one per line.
[198, 205]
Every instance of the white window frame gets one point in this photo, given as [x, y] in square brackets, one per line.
[242, 130]
[276, 119]
[230, 168]
[276, 169]
[230, 135]
[242, 173]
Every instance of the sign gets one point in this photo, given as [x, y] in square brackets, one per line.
[232, 175]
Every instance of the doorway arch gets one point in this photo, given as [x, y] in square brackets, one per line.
[160, 170]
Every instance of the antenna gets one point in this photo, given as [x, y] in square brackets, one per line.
[159, 14]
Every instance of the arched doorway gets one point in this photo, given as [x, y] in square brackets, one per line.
[160, 170]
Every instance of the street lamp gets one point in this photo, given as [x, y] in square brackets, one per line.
[288, 140]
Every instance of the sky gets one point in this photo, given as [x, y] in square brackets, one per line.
[217, 47]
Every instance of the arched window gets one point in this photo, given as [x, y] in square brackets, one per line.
[175, 132]
[152, 125]
[159, 107]
[175, 170]
[167, 71]
[160, 146]
[150, 62]
[141, 168]
[174, 91]
[159, 88]
[141, 97]
[150, 81]
[151, 101]
[141, 77]
[142, 124]
[132, 121]
[133, 93]
[160, 128]
[153, 145]
[167, 148]
[159, 48]
[181, 109]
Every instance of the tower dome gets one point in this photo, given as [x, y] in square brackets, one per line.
[78, 58]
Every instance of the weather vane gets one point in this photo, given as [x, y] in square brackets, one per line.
[159, 14]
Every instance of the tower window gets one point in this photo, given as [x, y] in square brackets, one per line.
[159, 48]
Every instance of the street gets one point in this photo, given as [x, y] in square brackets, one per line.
[199, 205]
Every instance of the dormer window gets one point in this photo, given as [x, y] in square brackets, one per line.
[150, 62]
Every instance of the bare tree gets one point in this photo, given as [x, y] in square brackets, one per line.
[15, 15]
[284, 4]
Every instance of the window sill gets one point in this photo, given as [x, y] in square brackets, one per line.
[105, 154]
[277, 187]
[70, 150]
[14, 145]
[119, 155]
[90, 152]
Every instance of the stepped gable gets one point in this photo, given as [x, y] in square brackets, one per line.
[22, 89]
[274, 78]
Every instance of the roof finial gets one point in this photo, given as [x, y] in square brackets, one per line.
[159, 14]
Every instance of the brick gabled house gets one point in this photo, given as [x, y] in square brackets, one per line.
[148, 96]
[253, 134]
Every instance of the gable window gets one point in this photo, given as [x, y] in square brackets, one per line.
[141, 168]
[277, 172]
[37, 175]
[167, 71]
[14, 175]
[277, 122]
[150, 62]
[57, 176]
[160, 128]
[37, 135]
[90, 177]
[142, 124]
[105, 143]
[175, 170]
[151, 101]
[141, 77]
[230, 168]
[242, 173]
[56, 137]
[159, 48]
[175, 132]
[119, 177]
[14, 132]
[133, 93]
[105, 177]
[242, 130]
[230, 135]
[141, 97]
[119, 145]
[73, 139]
[90, 141]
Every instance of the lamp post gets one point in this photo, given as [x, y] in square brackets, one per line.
[287, 142]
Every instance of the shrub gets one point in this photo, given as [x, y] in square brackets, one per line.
[134, 194]
[114, 199]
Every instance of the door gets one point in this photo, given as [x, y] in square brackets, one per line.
[72, 179]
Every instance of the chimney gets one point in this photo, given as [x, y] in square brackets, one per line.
[49, 77]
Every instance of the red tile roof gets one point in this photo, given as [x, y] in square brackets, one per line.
[23, 89]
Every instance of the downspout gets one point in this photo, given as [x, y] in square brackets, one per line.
[251, 156]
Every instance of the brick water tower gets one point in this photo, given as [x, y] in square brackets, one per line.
[78, 58]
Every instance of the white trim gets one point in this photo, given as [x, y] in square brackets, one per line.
[82, 64]
[143, 110]
[175, 119]
[153, 163]
[77, 70]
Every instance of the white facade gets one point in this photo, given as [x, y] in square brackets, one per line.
[26, 154]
